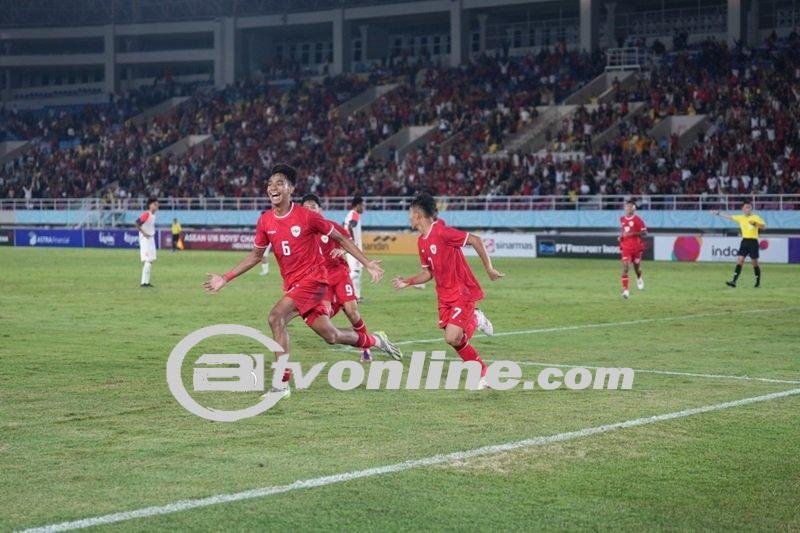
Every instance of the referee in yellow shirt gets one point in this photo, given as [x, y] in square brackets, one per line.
[750, 224]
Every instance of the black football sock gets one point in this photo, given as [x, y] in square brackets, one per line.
[758, 274]
[736, 272]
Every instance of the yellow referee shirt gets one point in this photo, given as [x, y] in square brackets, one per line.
[747, 225]
[176, 228]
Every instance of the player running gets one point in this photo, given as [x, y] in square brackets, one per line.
[456, 287]
[293, 231]
[353, 224]
[340, 288]
[631, 246]
[146, 224]
[749, 224]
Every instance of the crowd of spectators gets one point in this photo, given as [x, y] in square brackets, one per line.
[751, 98]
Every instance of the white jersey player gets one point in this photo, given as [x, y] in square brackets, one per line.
[353, 224]
[146, 224]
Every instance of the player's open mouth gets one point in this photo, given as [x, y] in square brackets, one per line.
[274, 195]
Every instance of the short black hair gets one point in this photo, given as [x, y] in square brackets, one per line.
[151, 201]
[747, 202]
[357, 200]
[287, 170]
[311, 198]
[426, 203]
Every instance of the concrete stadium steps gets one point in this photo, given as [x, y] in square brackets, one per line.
[164, 108]
[634, 110]
[403, 141]
[181, 147]
[601, 89]
[363, 100]
[687, 127]
[11, 149]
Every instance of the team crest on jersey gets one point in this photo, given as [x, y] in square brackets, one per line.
[325, 239]
[295, 231]
[433, 249]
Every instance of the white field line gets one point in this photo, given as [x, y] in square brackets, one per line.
[262, 492]
[617, 324]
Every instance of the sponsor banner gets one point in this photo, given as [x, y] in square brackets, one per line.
[601, 247]
[210, 239]
[63, 238]
[725, 249]
[506, 245]
[110, 238]
[6, 237]
[389, 243]
[794, 250]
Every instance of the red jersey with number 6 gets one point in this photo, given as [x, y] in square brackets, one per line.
[630, 225]
[295, 243]
[440, 252]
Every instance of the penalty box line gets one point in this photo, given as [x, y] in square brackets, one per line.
[185, 505]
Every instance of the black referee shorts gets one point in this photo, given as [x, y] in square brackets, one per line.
[749, 247]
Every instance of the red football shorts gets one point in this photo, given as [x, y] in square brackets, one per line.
[632, 254]
[461, 314]
[340, 289]
[309, 299]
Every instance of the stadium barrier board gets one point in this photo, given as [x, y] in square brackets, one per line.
[794, 249]
[720, 249]
[111, 238]
[6, 237]
[585, 246]
[210, 239]
[393, 243]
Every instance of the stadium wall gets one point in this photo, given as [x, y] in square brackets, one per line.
[523, 219]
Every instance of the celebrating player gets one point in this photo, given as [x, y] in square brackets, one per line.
[456, 287]
[146, 224]
[353, 224]
[293, 231]
[340, 288]
[631, 245]
[749, 224]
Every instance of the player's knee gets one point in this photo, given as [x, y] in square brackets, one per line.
[453, 339]
[329, 336]
[275, 320]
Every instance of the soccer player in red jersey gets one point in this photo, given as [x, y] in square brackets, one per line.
[631, 245]
[293, 231]
[456, 287]
[341, 292]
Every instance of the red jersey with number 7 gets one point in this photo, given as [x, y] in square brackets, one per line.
[440, 252]
[295, 243]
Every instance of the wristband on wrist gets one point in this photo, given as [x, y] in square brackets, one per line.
[229, 276]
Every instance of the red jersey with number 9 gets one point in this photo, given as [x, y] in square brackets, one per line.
[295, 242]
[327, 245]
[440, 252]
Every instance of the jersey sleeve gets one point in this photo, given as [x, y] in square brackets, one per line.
[143, 218]
[642, 225]
[340, 229]
[261, 240]
[737, 218]
[317, 224]
[423, 258]
[455, 238]
[759, 219]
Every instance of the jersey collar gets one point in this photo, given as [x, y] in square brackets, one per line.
[430, 229]
[289, 212]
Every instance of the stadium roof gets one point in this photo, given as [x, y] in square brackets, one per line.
[38, 13]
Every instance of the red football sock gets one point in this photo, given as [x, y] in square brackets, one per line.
[365, 340]
[468, 353]
[624, 282]
[360, 327]
[287, 375]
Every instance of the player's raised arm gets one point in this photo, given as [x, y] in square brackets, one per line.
[215, 282]
[477, 243]
[372, 265]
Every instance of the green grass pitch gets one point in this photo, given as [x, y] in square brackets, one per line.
[88, 426]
